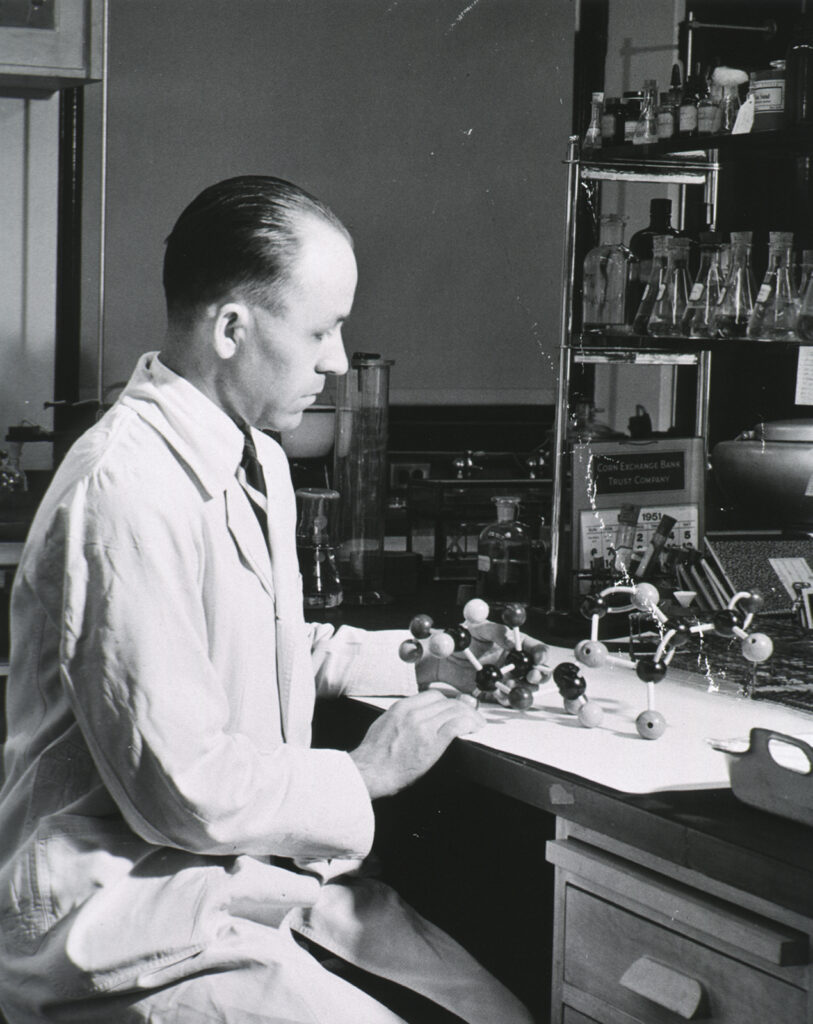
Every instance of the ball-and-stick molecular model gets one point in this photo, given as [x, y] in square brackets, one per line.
[732, 621]
[513, 683]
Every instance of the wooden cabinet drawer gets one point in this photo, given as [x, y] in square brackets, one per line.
[660, 976]
[571, 1016]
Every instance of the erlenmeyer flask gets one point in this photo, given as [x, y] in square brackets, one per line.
[321, 586]
[666, 318]
[606, 278]
[653, 285]
[705, 292]
[733, 311]
[804, 325]
[776, 309]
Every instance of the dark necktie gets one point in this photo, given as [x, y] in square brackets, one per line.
[251, 477]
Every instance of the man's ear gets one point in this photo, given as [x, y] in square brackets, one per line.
[230, 327]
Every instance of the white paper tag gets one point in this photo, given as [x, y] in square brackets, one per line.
[804, 376]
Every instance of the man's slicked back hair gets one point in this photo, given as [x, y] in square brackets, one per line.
[238, 237]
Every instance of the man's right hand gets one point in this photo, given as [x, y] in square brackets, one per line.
[404, 742]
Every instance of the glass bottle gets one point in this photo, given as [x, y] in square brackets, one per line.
[656, 277]
[709, 112]
[504, 557]
[687, 115]
[666, 318]
[646, 130]
[776, 308]
[606, 278]
[733, 311]
[321, 585]
[729, 108]
[799, 73]
[592, 137]
[660, 223]
[665, 116]
[705, 292]
[632, 101]
[612, 122]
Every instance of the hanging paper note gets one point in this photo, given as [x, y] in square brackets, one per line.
[804, 376]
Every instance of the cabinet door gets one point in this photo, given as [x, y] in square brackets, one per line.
[62, 47]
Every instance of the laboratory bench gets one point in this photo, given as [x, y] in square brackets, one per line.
[592, 904]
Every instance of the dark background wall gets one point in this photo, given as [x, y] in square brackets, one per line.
[435, 128]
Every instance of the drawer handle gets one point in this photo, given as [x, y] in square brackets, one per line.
[668, 988]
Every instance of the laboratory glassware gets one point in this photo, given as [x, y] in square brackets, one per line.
[592, 137]
[705, 292]
[360, 476]
[321, 584]
[776, 307]
[733, 311]
[657, 274]
[608, 270]
[504, 557]
[666, 318]
[646, 130]
[804, 325]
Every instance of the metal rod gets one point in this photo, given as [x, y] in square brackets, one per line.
[563, 380]
[769, 29]
[100, 388]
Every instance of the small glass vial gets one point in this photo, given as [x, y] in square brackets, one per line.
[666, 318]
[632, 101]
[776, 308]
[504, 557]
[705, 292]
[733, 311]
[665, 114]
[608, 271]
[657, 274]
[592, 137]
[646, 130]
[612, 122]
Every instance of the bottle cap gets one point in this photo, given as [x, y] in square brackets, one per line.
[780, 238]
[710, 238]
[741, 237]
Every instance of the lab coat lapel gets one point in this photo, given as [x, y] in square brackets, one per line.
[247, 535]
[288, 594]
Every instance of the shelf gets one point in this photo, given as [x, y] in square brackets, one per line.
[615, 346]
[781, 143]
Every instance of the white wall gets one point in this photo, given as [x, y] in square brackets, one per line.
[435, 128]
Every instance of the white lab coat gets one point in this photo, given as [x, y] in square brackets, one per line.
[164, 823]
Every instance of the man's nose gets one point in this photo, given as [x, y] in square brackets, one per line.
[334, 358]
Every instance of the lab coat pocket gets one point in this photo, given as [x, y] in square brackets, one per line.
[61, 865]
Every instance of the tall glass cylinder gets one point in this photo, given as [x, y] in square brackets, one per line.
[360, 476]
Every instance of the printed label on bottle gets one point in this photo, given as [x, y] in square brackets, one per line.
[696, 292]
[687, 118]
[483, 563]
[769, 96]
[764, 293]
[666, 125]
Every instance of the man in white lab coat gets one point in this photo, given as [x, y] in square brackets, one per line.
[169, 841]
